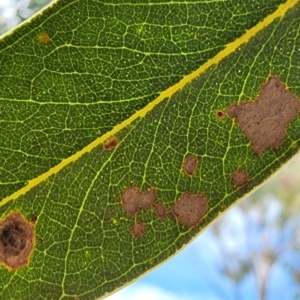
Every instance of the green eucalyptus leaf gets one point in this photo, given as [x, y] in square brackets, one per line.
[128, 127]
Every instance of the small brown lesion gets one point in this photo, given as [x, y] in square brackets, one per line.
[17, 239]
[160, 210]
[240, 178]
[220, 114]
[110, 144]
[138, 230]
[44, 38]
[33, 218]
[190, 165]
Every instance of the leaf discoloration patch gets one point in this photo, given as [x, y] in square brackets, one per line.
[138, 230]
[160, 210]
[44, 38]
[110, 144]
[33, 218]
[220, 114]
[240, 178]
[264, 120]
[190, 165]
[190, 209]
[133, 200]
[16, 241]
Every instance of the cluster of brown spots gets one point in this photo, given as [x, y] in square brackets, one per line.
[16, 241]
[220, 114]
[190, 164]
[240, 178]
[110, 144]
[138, 230]
[44, 38]
[133, 200]
[190, 209]
[160, 210]
[264, 121]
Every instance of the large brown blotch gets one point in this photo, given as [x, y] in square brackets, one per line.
[16, 241]
[264, 121]
[133, 200]
[190, 209]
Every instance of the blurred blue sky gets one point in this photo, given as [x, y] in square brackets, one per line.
[194, 274]
[191, 274]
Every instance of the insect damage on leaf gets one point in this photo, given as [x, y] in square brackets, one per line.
[138, 230]
[110, 144]
[133, 199]
[190, 209]
[16, 241]
[240, 178]
[44, 38]
[160, 210]
[264, 120]
[190, 165]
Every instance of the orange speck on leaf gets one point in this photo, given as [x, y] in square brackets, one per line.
[44, 38]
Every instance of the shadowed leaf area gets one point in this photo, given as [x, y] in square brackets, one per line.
[156, 96]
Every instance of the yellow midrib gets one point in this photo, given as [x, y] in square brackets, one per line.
[230, 48]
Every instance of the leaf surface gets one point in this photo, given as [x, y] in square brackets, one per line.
[100, 98]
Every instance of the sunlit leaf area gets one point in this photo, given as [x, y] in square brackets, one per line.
[252, 251]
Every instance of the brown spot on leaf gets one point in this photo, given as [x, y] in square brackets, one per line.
[160, 210]
[44, 38]
[138, 230]
[133, 200]
[16, 241]
[264, 120]
[220, 114]
[110, 144]
[190, 209]
[190, 165]
[33, 218]
[240, 178]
